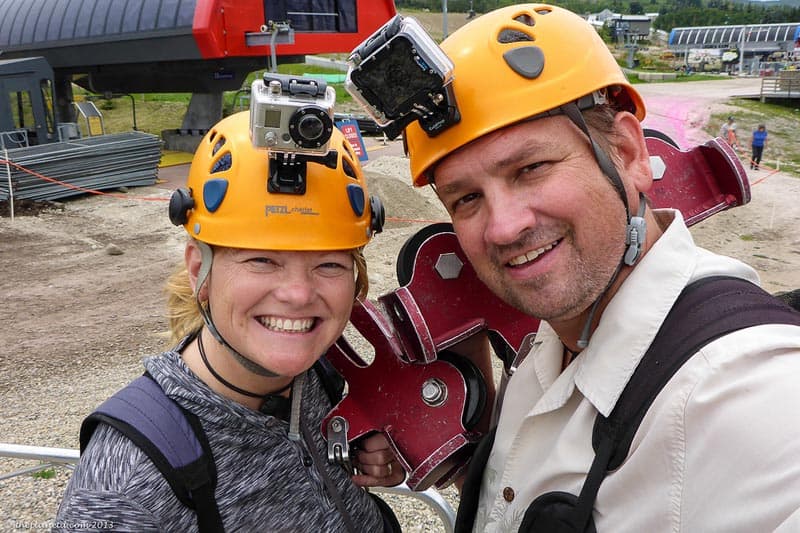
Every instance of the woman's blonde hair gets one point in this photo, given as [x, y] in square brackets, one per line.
[184, 315]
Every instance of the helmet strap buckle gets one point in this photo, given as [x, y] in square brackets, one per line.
[635, 235]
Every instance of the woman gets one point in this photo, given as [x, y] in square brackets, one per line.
[267, 286]
[758, 142]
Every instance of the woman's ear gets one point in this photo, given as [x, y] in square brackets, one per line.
[634, 159]
[193, 258]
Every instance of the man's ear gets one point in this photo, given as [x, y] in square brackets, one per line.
[634, 159]
[193, 258]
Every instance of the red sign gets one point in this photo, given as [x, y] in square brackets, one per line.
[353, 134]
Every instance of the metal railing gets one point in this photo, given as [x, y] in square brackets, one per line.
[47, 457]
[780, 86]
[51, 457]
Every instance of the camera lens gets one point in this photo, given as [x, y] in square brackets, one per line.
[310, 127]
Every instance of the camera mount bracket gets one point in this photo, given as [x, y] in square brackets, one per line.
[295, 85]
[287, 170]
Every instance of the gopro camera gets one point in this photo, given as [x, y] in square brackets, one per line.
[291, 114]
[399, 74]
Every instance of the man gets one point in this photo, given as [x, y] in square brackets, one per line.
[544, 177]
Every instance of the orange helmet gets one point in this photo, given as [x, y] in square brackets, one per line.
[227, 201]
[512, 64]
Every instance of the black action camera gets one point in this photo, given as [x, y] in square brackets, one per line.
[399, 74]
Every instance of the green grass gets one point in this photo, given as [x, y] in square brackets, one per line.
[634, 79]
[161, 111]
[47, 473]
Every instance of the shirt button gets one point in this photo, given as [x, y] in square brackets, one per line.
[307, 461]
[508, 494]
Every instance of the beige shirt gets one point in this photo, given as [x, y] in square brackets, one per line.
[719, 449]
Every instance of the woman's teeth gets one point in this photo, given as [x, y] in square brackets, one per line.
[287, 324]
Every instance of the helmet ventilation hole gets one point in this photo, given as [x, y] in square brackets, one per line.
[348, 148]
[543, 11]
[347, 168]
[525, 19]
[508, 35]
[223, 163]
[219, 144]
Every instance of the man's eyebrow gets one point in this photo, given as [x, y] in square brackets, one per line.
[449, 189]
[531, 145]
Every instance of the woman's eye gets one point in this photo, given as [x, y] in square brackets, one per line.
[332, 266]
[261, 261]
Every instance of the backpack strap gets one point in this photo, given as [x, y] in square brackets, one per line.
[470, 490]
[171, 437]
[706, 310]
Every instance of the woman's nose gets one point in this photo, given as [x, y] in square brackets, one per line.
[296, 287]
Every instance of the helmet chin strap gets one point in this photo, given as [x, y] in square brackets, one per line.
[207, 256]
[636, 228]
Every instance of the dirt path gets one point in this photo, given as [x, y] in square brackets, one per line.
[766, 232]
[76, 320]
[682, 110]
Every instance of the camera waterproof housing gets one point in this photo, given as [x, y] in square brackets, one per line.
[399, 74]
[291, 114]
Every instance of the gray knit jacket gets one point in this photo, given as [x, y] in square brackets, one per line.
[266, 482]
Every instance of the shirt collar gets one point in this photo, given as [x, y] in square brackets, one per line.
[634, 315]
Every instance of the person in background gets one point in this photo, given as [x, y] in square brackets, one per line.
[758, 142]
[259, 298]
[728, 132]
[544, 174]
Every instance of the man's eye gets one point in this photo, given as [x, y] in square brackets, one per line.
[530, 168]
[464, 200]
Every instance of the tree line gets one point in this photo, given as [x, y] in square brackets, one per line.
[671, 13]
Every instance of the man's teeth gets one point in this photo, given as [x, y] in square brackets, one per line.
[530, 256]
[287, 324]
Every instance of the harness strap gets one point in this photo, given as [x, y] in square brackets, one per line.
[171, 437]
[706, 310]
[333, 491]
[470, 490]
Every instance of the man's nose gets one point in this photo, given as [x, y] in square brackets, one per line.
[509, 216]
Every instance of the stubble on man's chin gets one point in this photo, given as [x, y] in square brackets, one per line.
[542, 300]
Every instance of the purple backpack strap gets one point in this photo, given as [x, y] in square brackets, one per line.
[170, 436]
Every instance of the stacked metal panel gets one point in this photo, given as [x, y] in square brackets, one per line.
[94, 163]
